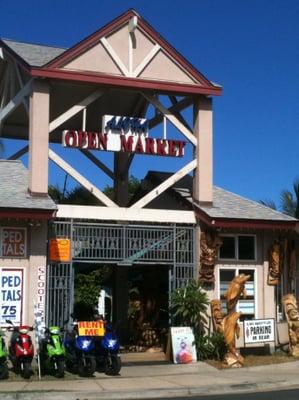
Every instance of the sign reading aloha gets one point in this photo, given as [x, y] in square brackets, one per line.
[123, 134]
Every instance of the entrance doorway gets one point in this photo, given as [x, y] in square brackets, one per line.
[142, 263]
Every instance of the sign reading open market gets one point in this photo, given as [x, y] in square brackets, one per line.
[11, 295]
[123, 134]
[259, 331]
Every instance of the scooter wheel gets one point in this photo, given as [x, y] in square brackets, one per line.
[3, 371]
[87, 367]
[59, 371]
[26, 371]
[112, 364]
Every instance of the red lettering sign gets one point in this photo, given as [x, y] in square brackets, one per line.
[13, 242]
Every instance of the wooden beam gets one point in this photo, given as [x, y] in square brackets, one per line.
[181, 105]
[16, 101]
[165, 185]
[74, 110]
[171, 118]
[80, 179]
[98, 163]
[146, 60]
[115, 57]
[19, 153]
[21, 83]
[177, 113]
[126, 214]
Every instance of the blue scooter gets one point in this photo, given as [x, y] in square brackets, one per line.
[79, 356]
[106, 352]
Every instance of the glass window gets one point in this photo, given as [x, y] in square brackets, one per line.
[228, 248]
[246, 247]
[245, 305]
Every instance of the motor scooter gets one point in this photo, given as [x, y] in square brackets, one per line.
[106, 351]
[21, 349]
[52, 352]
[3, 356]
[79, 355]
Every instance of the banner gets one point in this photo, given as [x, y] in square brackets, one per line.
[11, 295]
[183, 346]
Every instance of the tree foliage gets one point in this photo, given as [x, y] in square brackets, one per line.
[289, 201]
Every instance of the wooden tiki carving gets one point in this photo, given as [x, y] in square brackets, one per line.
[217, 316]
[274, 264]
[235, 290]
[209, 244]
[292, 315]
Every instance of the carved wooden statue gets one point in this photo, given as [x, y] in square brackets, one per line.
[217, 316]
[231, 328]
[209, 245]
[231, 331]
[274, 264]
[292, 315]
[235, 290]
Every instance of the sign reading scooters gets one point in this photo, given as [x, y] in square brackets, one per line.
[123, 134]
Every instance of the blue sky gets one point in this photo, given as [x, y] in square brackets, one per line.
[250, 47]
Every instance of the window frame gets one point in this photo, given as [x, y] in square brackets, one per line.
[238, 270]
[236, 239]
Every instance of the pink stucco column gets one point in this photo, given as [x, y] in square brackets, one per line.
[39, 138]
[203, 131]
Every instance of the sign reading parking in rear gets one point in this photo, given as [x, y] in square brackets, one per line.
[259, 331]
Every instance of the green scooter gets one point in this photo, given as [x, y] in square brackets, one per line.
[3, 357]
[52, 353]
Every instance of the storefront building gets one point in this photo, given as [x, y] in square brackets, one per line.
[110, 92]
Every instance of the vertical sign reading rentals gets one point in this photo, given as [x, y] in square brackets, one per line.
[11, 295]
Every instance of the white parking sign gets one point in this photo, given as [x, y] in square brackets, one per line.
[259, 331]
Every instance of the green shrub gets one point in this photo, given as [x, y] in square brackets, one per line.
[188, 307]
[210, 347]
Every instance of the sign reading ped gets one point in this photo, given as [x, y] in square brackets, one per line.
[123, 134]
[13, 242]
[259, 330]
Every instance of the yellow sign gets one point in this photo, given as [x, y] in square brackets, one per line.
[91, 328]
[60, 250]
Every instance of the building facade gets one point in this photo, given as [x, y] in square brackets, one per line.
[124, 89]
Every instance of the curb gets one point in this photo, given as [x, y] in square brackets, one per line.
[150, 393]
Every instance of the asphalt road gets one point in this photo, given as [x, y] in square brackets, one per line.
[275, 395]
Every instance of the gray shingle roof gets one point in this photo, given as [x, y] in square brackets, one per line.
[225, 204]
[34, 54]
[14, 188]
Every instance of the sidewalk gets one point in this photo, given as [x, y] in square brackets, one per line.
[149, 376]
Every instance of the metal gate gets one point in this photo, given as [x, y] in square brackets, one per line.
[116, 244]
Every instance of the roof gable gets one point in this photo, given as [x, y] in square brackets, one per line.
[143, 54]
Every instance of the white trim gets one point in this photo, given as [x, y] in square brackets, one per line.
[181, 127]
[148, 58]
[16, 101]
[75, 109]
[114, 56]
[126, 214]
[165, 185]
[21, 83]
[80, 179]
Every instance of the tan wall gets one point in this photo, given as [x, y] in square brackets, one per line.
[265, 303]
[36, 257]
